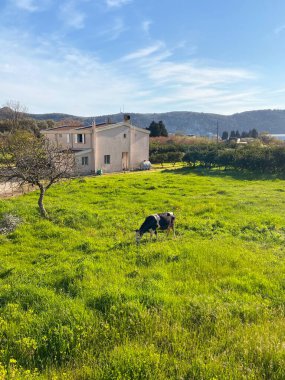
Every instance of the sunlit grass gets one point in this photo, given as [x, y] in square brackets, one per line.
[79, 299]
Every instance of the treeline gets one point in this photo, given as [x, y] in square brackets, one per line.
[157, 129]
[236, 134]
[270, 159]
[169, 150]
[14, 117]
[7, 125]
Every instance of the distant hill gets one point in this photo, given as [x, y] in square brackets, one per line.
[272, 121]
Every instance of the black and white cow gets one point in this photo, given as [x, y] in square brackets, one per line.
[164, 221]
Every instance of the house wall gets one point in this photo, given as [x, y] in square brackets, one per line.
[112, 142]
[139, 148]
[87, 143]
[61, 137]
[84, 169]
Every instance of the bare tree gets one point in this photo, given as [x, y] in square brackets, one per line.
[14, 114]
[27, 159]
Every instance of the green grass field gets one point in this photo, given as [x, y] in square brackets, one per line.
[79, 299]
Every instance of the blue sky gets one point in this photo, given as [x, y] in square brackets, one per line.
[93, 57]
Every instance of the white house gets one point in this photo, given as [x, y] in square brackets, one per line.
[111, 147]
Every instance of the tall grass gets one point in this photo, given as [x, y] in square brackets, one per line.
[79, 299]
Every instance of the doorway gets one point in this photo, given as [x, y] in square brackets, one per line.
[125, 160]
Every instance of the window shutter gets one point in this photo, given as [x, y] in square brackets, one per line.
[75, 139]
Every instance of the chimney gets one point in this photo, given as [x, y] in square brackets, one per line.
[127, 119]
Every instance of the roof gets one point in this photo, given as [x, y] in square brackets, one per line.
[66, 128]
[79, 152]
[99, 127]
[103, 127]
[86, 127]
[61, 128]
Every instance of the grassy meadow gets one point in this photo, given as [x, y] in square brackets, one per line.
[79, 299]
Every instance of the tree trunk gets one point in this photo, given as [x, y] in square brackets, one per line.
[41, 204]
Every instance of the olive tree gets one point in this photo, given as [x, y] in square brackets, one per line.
[27, 159]
[175, 157]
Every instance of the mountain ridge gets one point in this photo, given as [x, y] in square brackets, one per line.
[188, 122]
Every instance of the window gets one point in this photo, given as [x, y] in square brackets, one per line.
[125, 135]
[84, 161]
[80, 138]
[107, 159]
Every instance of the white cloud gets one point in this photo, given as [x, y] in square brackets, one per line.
[71, 16]
[117, 3]
[27, 5]
[198, 74]
[160, 65]
[279, 29]
[143, 53]
[114, 31]
[189, 84]
[279, 91]
[31, 5]
[146, 25]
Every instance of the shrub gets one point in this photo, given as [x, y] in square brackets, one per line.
[9, 223]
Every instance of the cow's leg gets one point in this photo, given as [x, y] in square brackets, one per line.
[155, 232]
[168, 230]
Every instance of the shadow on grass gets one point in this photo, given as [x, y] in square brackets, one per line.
[125, 244]
[6, 273]
[235, 174]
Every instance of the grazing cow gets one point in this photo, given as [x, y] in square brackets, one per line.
[163, 221]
